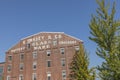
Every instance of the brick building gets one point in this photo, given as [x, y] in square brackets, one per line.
[1, 70]
[42, 56]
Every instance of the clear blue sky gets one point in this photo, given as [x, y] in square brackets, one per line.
[21, 18]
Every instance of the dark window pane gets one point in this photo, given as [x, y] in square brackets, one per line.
[48, 53]
[21, 56]
[49, 63]
[9, 67]
[48, 77]
[10, 58]
[21, 66]
[63, 62]
[62, 50]
[28, 46]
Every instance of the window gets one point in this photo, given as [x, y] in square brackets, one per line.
[8, 77]
[62, 50]
[48, 76]
[21, 66]
[63, 75]
[77, 48]
[34, 54]
[34, 76]
[48, 52]
[63, 62]
[34, 65]
[48, 63]
[28, 45]
[21, 77]
[21, 56]
[9, 68]
[9, 58]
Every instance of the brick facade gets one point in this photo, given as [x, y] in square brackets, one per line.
[43, 56]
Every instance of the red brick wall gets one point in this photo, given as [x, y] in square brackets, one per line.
[42, 69]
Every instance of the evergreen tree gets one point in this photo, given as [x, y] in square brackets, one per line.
[79, 67]
[105, 32]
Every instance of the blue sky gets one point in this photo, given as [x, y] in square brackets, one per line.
[21, 18]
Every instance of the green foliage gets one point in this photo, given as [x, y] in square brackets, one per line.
[79, 67]
[105, 32]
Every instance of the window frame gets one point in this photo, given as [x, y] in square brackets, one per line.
[21, 56]
[48, 52]
[21, 66]
[21, 75]
[48, 76]
[34, 76]
[63, 62]
[48, 63]
[8, 77]
[34, 54]
[62, 50]
[9, 68]
[28, 45]
[34, 65]
[10, 58]
[63, 74]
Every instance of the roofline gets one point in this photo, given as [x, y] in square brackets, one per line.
[46, 32]
[39, 33]
[12, 46]
[74, 37]
[2, 62]
[51, 32]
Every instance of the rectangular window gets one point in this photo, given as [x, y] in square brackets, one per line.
[48, 52]
[28, 45]
[34, 76]
[63, 75]
[62, 50]
[8, 77]
[34, 65]
[63, 62]
[21, 77]
[48, 63]
[9, 68]
[21, 56]
[21, 66]
[35, 55]
[9, 58]
[48, 76]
